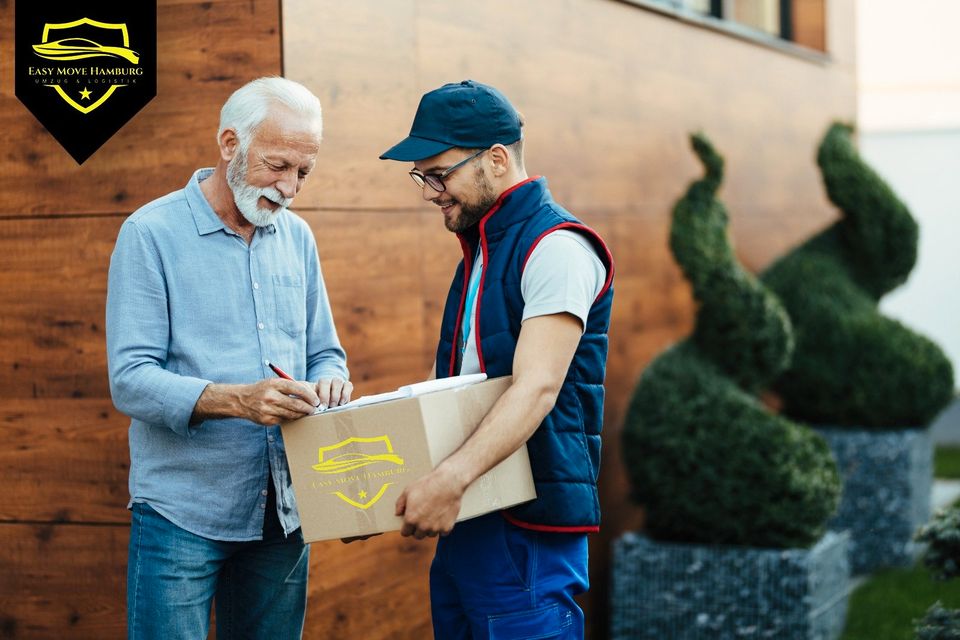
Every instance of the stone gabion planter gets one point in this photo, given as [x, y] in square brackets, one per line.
[696, 592]
[887, 479]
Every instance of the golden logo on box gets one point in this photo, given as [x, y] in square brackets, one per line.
[356, 453]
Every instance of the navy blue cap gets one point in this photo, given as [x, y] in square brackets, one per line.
[464, 114]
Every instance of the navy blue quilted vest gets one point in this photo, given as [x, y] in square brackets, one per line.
[565, 449]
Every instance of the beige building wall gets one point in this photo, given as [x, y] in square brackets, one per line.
[908, 65]
[909, 119]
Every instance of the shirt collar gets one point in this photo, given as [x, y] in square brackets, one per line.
[204, 216]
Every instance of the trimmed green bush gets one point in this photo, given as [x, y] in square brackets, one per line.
[708, 462]
[740, 325]
[939, 624]
[852, 366]
[942, 534]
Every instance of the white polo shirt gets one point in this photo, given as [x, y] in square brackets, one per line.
[564, 274]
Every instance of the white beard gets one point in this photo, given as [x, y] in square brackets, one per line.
[247, 197]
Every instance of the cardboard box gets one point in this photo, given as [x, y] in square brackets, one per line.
[350, 465]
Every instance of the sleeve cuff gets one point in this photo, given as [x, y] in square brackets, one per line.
[179, 402]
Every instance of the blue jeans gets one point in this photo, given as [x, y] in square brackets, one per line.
[173, 576]
[491, 579]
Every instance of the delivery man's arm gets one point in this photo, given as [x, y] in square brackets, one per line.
[544, 352]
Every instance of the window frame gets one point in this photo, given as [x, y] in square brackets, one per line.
[715, 21]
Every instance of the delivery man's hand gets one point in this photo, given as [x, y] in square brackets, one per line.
[333, 392]
[430, 505]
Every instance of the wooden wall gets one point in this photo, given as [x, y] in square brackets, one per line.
[63, 520]
[609, 91]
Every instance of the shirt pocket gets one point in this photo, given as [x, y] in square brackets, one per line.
[290, 303]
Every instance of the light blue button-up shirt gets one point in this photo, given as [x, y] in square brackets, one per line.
[189, 302]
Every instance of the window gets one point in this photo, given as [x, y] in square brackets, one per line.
[700, 6]
[771, 17]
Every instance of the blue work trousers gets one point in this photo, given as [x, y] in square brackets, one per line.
[491, 579]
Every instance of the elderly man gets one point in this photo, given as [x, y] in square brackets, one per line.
[208, 287]
[531, 298]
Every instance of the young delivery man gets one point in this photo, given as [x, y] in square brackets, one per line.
[530, 299]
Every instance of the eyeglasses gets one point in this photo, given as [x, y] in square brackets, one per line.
[435, 180]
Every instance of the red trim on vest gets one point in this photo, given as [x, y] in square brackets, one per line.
[551, 529]
[496, 205]
[483, 248]
[476, 320]
[467, 267]
[586, 230]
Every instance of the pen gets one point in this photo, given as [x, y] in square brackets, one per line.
[283, 374]
[277, 370]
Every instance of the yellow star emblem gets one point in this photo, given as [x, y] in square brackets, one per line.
[363, 495]
[85, 94]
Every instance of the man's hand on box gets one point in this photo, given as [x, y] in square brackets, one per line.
[333, 392]
[430, 505]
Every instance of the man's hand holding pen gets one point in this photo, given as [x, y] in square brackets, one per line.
[328, 392]
[274, 400]
[271, 401]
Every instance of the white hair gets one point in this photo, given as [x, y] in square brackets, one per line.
[249, 105]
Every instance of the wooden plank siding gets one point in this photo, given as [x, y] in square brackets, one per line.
[609, 92]
[63, 581]
[205, 49]
[63, 521]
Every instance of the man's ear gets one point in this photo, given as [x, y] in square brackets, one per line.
[500, 158]
[229, 144]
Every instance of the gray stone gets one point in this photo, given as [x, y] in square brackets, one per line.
[676, 591]
[887, 482]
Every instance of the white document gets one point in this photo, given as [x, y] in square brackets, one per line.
[410, 390]
[440, 384]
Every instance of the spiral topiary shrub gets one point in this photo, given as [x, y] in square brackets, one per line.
[869, 383]
[852, 366]
[706, 459]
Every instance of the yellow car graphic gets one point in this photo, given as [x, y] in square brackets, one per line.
[80, 48]
[351, 461]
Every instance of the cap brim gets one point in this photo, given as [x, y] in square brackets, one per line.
[412, 148]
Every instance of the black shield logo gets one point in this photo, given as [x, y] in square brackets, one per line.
[85, 68]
